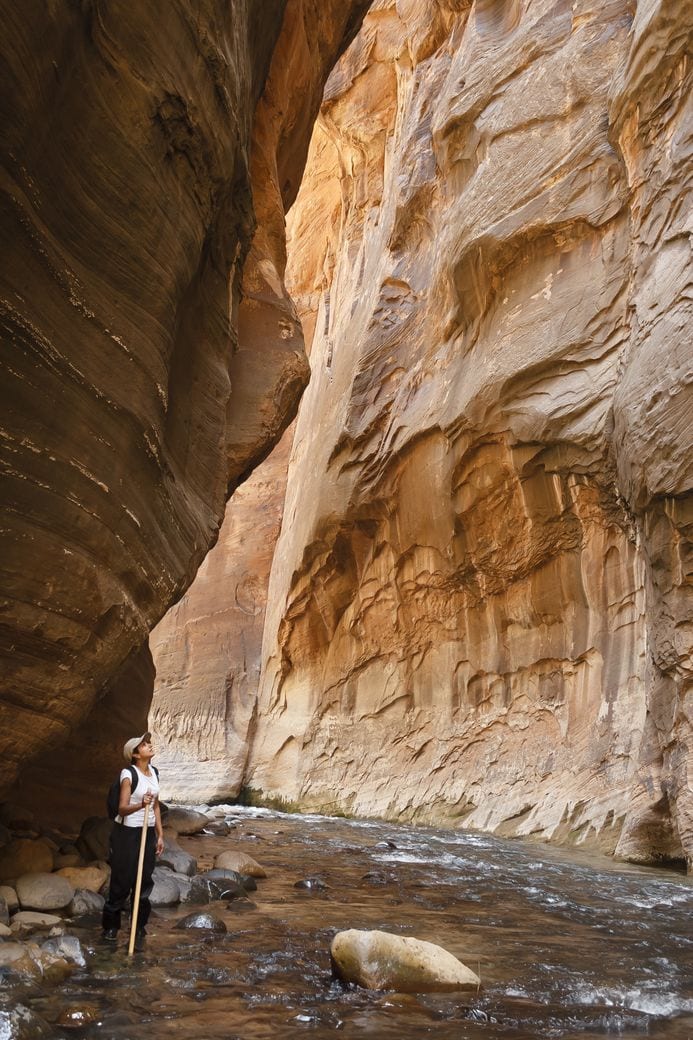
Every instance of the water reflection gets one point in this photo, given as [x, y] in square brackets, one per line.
[566, 946]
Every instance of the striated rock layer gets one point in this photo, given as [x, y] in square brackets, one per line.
[131, 175]
[479, 607]
[207, 649]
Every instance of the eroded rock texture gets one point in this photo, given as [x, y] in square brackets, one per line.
[479, 608]
[127, 213]
[207, 649]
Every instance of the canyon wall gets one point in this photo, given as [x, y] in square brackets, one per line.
[207, 649]
[136, 165]
[479, 609]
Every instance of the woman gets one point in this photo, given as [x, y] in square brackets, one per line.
[127, 835]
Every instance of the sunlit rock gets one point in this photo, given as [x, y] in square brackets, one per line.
[479, 605]
[240, 862]
[379, 960]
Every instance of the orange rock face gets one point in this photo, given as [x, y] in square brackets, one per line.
[128, 207]
[207, 649]
[480, 601]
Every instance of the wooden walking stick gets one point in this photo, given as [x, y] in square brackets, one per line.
[138, 883]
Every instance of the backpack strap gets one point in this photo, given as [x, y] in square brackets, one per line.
[133, 778]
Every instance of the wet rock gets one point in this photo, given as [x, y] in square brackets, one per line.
[24, 856]
[204, 921]
[31, 920]
[5, 931]
[177, 859]
[9, 894]
[22, 1024]
[67, 947]
[219, 827]
[85, 902]
[381, 961]
[312, 884]
[92, 878]
[77, 1016]
[206, 890]
[244, 880]
[385, 845]
[4, 912]
[166, 891]
[238, 861]
[186, 821]
[44, 891]
[94, 838]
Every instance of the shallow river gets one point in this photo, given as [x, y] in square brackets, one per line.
[566, 945]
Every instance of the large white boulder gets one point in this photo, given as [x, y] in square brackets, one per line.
[381, 961]
[44, 891]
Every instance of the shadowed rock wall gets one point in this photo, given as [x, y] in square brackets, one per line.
[479, 608]
[128, 207]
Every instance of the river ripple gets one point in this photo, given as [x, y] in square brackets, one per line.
[567, 945]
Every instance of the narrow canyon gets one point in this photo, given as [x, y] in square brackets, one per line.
[453, 585]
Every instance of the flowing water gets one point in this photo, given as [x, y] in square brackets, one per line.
[566, 945]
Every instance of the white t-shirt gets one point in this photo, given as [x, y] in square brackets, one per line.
[144, 784]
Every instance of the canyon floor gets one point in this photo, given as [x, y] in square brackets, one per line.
[566, 944]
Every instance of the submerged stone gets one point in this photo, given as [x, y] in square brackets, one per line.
[202, 920]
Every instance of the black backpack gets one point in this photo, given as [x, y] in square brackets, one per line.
[113, 796]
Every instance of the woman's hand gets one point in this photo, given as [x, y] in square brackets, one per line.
[147, 799]
[159, 845]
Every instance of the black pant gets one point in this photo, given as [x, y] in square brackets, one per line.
[123, 856]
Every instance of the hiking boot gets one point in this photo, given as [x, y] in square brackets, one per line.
[140, 940]
[110, 935]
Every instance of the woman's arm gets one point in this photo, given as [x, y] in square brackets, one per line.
[124, 807]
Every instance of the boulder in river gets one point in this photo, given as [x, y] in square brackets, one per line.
[381, 961]
[85, 902]
[204, 889]
[219, 827]
[24, 856]
[186, 821]
[177, 858]
[66, 946]
[166, 891]
[238, 861]
[43, 891]
[203, 920]
[92, 877]
[244, 880]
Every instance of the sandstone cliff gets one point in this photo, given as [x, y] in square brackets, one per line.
[207, 649]
[479, 608]
[132, 172]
